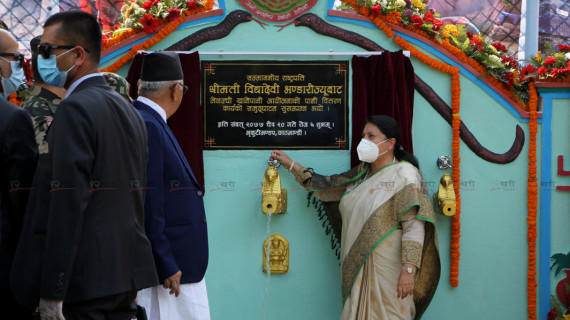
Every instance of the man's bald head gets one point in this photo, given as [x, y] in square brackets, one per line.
[7, 42]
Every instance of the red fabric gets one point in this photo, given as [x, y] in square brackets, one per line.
[186, 123]
[85, 5]
[382, 85]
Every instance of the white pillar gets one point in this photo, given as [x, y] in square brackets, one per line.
[528, 41]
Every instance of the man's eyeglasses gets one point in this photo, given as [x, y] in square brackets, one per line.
[184, 88]
[19, 57]
[45, 49]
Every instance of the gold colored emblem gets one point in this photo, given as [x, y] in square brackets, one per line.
[445, 196]
[278, 254]
[273, 197]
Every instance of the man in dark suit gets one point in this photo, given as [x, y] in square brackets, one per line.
[85, 225]
[17, 165]
[174, 208]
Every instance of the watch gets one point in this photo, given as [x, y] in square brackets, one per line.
[409, 270]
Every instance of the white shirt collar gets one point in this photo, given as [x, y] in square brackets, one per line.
[78, 81]
[154, 106]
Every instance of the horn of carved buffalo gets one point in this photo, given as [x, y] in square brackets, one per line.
[218, 31]
[320, 26]
[441, 107]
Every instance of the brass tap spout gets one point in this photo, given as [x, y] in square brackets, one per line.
[445, 197]
[273, 197]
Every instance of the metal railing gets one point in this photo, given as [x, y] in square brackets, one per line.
[554, 22]
[496, 20]
[25, 18]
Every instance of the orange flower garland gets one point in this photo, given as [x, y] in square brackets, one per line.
[532, 191]
[14, 99]
[378, 20]
[456, 176]
[163, 33]
[122, 36]
[382, 26]
[555, 80]
[456, 173]
[145, 45]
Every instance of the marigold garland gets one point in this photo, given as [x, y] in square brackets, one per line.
[532, 191]
[163, 33]
[456, 176]
[14, 99]
[122, 36]
[460, 55]
[145, 45]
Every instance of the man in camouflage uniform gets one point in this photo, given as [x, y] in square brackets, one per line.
[119, 84]
[42, 102]
[44, 98]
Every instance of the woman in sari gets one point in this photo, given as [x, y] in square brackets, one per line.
[389, 252]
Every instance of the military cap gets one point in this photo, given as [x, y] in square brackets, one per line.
[118, 83]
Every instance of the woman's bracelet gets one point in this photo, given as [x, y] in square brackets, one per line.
[292, 164]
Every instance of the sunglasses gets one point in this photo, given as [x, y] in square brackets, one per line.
[44, 49]
[19, 57]
[184, 88]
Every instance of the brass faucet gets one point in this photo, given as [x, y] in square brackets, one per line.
[273, 197]
[445, 196]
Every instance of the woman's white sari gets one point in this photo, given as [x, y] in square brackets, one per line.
[374, 209]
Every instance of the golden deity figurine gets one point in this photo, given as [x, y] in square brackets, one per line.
[445, 196]
[273, 197]
[278, 254]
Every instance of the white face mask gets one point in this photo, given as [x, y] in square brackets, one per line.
[47, 68]
[368, 150]
[11, 84]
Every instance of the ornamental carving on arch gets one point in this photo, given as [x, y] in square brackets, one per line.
[277, 10]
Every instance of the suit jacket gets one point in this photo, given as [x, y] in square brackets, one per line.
[83, 236]
[174, 207]
[17, 165]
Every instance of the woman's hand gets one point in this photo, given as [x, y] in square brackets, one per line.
[287, 163]
[281, 157]
[406, 282]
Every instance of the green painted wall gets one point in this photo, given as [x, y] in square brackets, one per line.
[492, 281]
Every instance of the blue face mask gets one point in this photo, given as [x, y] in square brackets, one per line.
[11, 84]
[49, 72]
